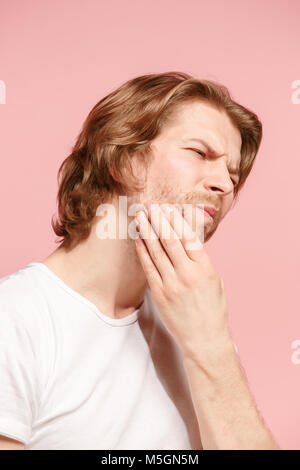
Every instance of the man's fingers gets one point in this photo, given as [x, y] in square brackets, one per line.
[154, 246]
[189, 239]
[153, 276]
[167, 235]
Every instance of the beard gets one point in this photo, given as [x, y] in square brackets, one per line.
[164, 193]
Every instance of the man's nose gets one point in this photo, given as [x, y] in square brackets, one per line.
[218, 180]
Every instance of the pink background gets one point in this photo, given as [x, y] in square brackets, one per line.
[58, 58]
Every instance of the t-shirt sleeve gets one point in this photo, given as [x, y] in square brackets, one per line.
[17, 377]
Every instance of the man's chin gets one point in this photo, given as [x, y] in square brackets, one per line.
[205, 232]
[208, 234]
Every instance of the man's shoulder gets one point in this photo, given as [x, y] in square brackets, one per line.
[20, 298]
[16, 286]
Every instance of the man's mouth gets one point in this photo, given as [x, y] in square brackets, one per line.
[209, 211]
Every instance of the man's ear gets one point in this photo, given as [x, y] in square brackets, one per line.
[126, 172]
[114, 175]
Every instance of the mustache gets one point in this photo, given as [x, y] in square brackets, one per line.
[200, 200]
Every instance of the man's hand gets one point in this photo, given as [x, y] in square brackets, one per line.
[186, 288]
[190, 297]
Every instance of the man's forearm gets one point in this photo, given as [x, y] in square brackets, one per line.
[225, 409]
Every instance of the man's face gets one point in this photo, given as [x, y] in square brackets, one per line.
[178, 174]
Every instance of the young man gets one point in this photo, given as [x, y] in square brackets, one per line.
[113, 343]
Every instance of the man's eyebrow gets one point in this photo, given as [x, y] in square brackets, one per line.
[233, 170]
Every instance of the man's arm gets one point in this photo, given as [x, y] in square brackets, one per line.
[225, 409]
[10, 444]
[190, 296]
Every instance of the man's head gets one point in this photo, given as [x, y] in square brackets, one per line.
[161, 137]
[195, 160]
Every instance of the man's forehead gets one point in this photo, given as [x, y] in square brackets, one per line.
[206, 120]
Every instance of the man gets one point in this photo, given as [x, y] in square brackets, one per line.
[117, 343]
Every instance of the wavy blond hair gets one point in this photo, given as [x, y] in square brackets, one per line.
[123, 124]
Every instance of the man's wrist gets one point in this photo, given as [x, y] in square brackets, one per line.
[213, 356]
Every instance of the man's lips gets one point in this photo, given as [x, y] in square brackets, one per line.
[210, 210]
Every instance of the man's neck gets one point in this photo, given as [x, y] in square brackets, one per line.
[105, 271]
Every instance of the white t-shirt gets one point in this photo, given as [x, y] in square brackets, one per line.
[74, 378]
